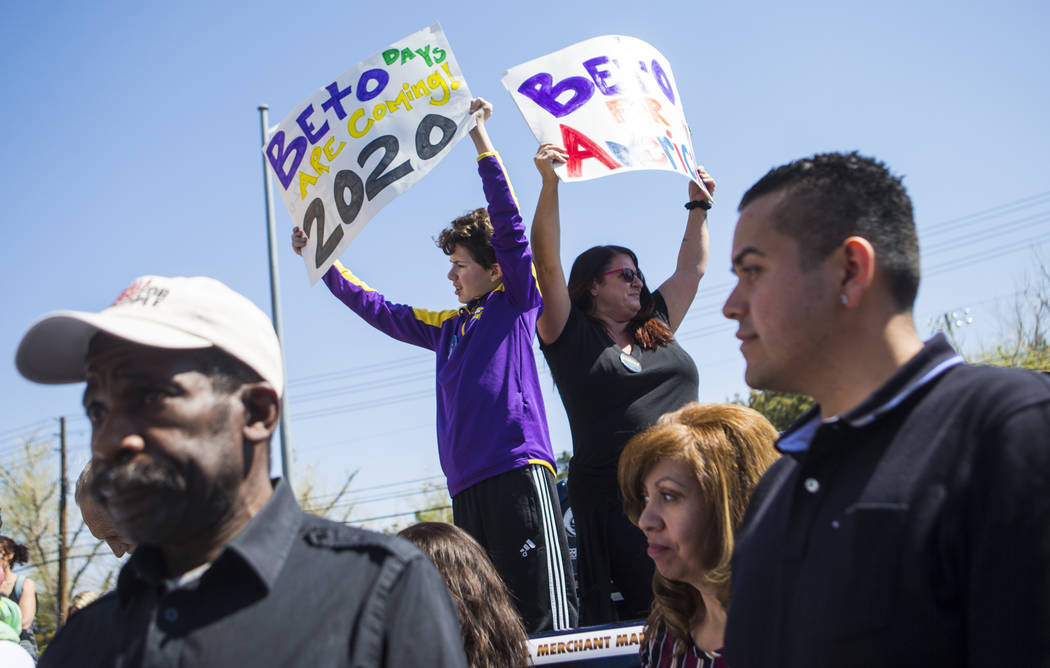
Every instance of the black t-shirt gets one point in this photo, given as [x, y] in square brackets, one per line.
[605, 401]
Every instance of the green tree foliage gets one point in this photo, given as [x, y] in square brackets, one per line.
[435, 505]
[1024, 339]
[780, 408]
[318, 502]
[563, 465]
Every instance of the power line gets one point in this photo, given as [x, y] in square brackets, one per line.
[710, 298]
[358, 387]
[704, 307]
[987, 254]
[998, 210]
[16, 432]
[360, 370]
[364, 405]
[989, 233]
[392, 515]
[368, 437]
[318, 498]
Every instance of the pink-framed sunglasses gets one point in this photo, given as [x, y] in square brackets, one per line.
[627, 274]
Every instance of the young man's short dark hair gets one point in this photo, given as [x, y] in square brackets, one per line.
[473, 231]
[833, 196]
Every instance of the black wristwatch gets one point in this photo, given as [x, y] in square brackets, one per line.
[704, 204]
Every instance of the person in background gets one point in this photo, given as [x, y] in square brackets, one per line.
[95, 517]
[20, 589]
[10, 620]
[610, 346]
[492, 435]
[81, 600]
[184, 379]
[908, 522]
[12, 655]
[686, 483]
[493, 634]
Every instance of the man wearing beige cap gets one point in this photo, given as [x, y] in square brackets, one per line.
[184, 381]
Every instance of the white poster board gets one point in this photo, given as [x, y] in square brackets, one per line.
[611, 102]
[365, 138]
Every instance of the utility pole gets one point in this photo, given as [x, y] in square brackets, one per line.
[63, 586]
[275, 298]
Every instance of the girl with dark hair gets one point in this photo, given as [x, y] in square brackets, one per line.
[686, 483]
[493, 635]
[20, 589]
[610, 345]
[492, 435]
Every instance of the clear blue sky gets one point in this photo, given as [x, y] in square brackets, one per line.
[132, 147]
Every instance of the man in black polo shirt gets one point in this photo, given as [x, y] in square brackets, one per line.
[184, 379]
[908, 522]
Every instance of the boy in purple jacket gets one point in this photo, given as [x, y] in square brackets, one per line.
[491, 424]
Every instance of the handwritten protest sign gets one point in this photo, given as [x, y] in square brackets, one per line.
[610, 102]
[365, 138]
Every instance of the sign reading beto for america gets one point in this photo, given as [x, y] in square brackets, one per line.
[365, 138]
[610, 102]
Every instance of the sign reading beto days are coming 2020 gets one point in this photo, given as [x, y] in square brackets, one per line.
[365, 138]
[610, 102]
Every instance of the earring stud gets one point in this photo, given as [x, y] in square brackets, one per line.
[844, 299]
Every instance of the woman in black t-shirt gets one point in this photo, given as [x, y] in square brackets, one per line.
[610, 345]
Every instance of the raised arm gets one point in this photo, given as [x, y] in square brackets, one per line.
[546, 248]
[680, 289]
[481, 110]
[412, 325]
[27, 603]
[508, 231]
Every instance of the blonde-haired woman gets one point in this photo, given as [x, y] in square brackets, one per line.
[686, 483]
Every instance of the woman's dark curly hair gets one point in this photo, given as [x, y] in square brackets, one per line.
[19, 553]
[648, 330]
[493, 634]
[473, 231]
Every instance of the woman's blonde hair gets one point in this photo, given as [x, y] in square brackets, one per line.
[81, 601]
[728, 447]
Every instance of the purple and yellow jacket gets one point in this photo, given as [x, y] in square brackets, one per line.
[490, 413]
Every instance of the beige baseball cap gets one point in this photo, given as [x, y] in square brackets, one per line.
[180, 313]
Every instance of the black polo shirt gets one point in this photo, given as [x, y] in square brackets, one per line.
[912, 531]
[290, 589]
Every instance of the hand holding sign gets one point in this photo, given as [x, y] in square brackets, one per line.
[365, 138]
[480, 110]
[707, 192]
[611, 103]
[298, 240]
[546, 158]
